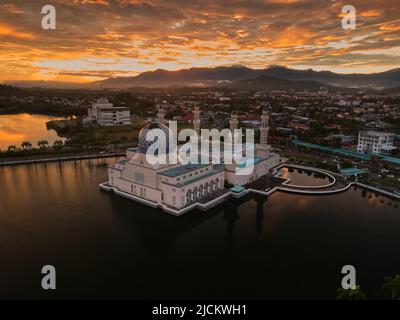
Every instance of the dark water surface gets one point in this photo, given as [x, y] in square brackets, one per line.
[304, 178]
[104, 246]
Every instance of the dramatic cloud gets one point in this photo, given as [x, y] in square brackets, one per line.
[104, 38]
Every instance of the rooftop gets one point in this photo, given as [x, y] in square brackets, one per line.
[216, 169]
[114, 109]
[186, 168]
[352, 171]
[375, 133]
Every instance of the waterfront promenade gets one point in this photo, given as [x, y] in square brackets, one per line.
[265, 186]
[63, 158]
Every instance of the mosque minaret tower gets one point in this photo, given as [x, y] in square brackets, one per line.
[234, 121]
[263, 148]
[196, 119]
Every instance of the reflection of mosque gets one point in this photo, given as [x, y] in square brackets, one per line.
[158, 233]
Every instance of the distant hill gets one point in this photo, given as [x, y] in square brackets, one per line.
[230, 75]
[387, 79]
[187, 77]
[395, 90]
[6, 90]
[266, 83]
[51, 84]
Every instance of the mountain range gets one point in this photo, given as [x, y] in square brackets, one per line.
[244, 78]
[255, 79]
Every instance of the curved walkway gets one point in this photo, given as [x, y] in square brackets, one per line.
[265, 185]
[338, 184]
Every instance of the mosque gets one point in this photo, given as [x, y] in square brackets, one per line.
[178, 188]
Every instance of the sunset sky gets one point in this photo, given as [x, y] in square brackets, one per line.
[97, 39]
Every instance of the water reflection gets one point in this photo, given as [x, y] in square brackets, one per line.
[17, 128]
[303, 177]
[254, 247]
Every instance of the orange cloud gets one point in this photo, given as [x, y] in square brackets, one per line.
[370, 13]
[96, 38]
[9, 31]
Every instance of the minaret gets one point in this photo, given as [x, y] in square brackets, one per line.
[196, 119]
[160, 114]
[234, 121]
[263, 147]
[264, 128]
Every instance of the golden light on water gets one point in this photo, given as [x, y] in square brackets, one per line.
[15, 129]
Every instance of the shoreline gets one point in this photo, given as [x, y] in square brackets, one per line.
[342, 186]
[62, 158]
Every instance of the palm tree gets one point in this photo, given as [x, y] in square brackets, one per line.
[12, 147]
[58, 144]
[26, 145]
[43, 144]
[393, 283]
[350, 294]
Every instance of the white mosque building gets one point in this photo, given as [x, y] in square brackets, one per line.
[178, 188]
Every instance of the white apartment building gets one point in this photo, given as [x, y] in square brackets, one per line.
[105, 114]
[374, 142]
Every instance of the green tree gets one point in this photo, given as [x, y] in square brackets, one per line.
[12, 147]
[350, 294]
[43, 144]
[26, 145]
[346, 164]
[393, 284]
[58, 144]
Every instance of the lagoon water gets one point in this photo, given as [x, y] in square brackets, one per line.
[302, 177]
[103, 246]
[17, 128]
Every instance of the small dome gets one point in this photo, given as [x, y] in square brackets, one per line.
[102, 101]
[143, 144]
[265, 108]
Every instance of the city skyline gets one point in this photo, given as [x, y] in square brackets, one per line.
[95, 40]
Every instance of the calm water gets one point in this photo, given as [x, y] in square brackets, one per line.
[304, 178]
[103, 246]
[25, 127]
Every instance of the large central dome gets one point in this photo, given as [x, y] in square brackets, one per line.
[143, 144]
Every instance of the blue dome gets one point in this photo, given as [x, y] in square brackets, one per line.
[143, 144]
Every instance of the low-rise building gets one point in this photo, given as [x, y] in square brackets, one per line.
[105, 114]
[374, 142]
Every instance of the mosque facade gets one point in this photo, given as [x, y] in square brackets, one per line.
[176, 187]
